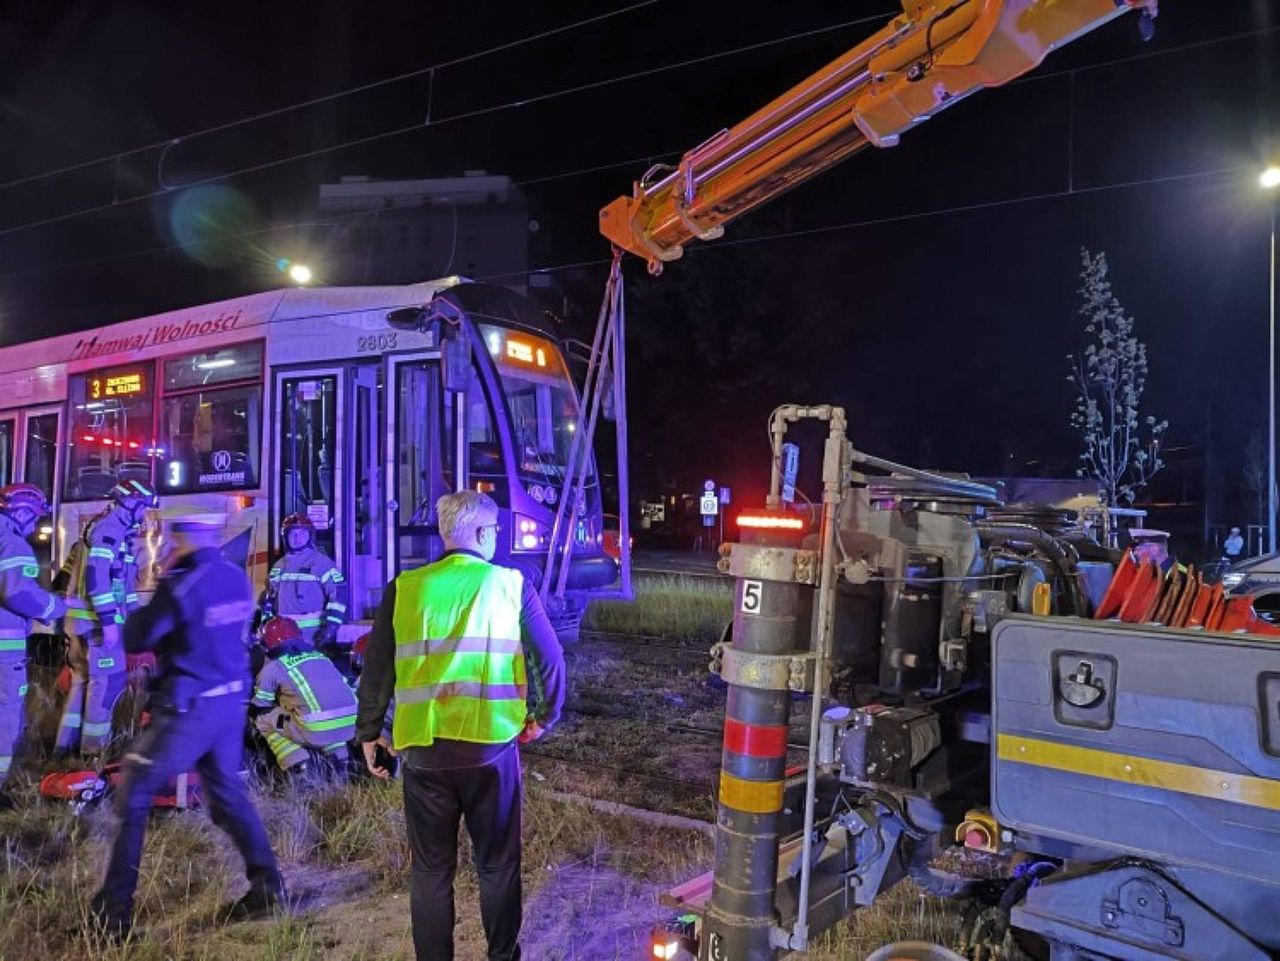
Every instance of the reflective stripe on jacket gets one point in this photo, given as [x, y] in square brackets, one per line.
[311, 688]
[100, 580]
[460, 669]
[307, 587]
[22, 599]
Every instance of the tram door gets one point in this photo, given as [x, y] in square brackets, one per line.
[364, 564]
[308, 473]
[418, 462]
[329, 466]
[37, 463]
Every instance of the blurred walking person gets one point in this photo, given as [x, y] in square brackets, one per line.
[198, 626]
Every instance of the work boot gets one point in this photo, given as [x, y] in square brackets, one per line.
[258, 903]
[108, 924]
[302, 775]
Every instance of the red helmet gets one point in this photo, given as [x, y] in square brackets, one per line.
[278, 631]
[295, 522]
[361, 645]
[15, 497]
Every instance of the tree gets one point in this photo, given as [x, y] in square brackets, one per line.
[1255, 474]
[1121, 447]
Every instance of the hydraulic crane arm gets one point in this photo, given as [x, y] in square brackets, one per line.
[931, 56]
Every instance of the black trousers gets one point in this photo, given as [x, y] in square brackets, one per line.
[208, 739]
[488, 799]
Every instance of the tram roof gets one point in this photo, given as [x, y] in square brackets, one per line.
[480, 301]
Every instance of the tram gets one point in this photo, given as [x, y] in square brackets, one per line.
[358, 406]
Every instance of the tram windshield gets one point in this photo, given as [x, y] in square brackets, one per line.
[540, 395]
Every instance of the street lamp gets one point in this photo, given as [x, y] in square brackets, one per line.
[300, 274]
[1270, 180]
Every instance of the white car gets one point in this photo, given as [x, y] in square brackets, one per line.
[1259, 578]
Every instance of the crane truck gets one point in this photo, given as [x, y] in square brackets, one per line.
[966, 685]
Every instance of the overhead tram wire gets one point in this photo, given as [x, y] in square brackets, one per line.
[1065, 193]
[650, 157]
[330, 220]
[427, 125]
[325, 98]
[900, 218]
[400, 131]
[465, 58]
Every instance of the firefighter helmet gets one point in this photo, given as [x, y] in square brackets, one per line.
[295, 522]
[135, 496]
[20, 497]
[279, 631]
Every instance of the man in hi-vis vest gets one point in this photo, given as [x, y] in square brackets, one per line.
[450, 642]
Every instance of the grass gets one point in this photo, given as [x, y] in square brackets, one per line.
[591, 879]
[590, 882]
[670, 606]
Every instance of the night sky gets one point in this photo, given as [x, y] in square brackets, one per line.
[930, 288]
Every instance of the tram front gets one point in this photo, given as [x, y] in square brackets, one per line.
[496, 411]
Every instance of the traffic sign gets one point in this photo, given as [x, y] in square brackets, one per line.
[708, 486]
[724, 495]
[790, 468]
[710, 507]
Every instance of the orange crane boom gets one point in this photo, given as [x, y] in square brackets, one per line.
[933, 55]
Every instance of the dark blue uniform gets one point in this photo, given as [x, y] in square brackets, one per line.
[197, 625]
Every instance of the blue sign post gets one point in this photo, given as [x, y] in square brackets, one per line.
[709, 505]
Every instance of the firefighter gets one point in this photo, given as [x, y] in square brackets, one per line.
[306, 586]
[300, 701]
[101, 581]
[22, 600]
[197, 625]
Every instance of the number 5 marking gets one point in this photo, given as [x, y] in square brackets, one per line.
[751, 597]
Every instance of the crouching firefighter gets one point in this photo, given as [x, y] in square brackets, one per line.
[300, 701]
[197, 625]
[306, 586]
[22, 600]
[101, 576]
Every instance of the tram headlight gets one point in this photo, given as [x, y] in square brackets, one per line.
[529, 534]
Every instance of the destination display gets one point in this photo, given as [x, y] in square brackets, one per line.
[124, 384]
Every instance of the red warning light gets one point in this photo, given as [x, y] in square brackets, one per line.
[771, 522]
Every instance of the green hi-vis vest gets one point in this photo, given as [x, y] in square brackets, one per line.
[460, 671]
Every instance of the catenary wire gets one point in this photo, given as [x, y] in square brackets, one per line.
[419, 126]
[600, 167]
[324, 98]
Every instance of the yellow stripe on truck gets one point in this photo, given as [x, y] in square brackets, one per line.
[1143, 771]
[754, 797]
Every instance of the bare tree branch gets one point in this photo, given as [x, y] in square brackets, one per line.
[1121, 448]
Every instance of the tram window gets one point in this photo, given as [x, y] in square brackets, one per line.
[237, 362]
[540, 397]
[210, 440]
[111, 436]
[308, 438]
[38, 467]
[485, 468]
[42, 451]
[6, 452]
[424, 459]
